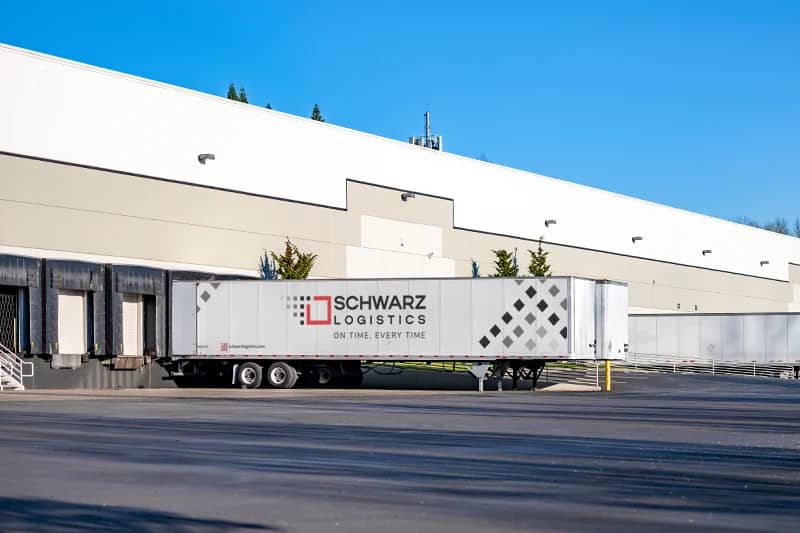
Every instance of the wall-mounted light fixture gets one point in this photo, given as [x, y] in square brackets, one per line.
[406, 195]
[430, 254]
[764, 263]
[634, 239]
[205, 157]
[706, 252]
[549, 222]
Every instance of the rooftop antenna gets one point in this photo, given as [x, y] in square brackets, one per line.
[427, 128]
[429, 140]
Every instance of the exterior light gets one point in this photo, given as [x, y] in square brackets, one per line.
[205, 157]
[764, 263]
[706, 252]
[406, 195]
[549, 222]
[634, 239]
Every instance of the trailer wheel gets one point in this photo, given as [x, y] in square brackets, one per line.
[250, 375]
[325, 375]
[281, 375]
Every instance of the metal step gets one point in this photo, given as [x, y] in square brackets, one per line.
[13, 370]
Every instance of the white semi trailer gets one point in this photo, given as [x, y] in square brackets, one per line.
[761, 338]
[320, 331]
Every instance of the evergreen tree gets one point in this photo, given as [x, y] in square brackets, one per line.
[267, 267]
[293, 264]
[242, 95]
[316, 115]
[539, 265]
[797, 227]
[476, 272]
[232, 93]
[268, 106]
[505, 264]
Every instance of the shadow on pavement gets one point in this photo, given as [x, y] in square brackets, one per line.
[30, 514]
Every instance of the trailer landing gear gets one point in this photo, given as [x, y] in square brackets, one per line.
[519, 370]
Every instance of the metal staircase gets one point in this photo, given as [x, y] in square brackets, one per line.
[13, 370]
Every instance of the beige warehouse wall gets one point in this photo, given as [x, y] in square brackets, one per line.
[66, 208]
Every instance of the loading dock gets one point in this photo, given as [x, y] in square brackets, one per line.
[72, 322]
[20, 303]
[74, 296]
[136, 314]
[132, 330]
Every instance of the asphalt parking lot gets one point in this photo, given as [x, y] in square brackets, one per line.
[660, 452]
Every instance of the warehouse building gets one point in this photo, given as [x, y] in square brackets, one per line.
[111, 185]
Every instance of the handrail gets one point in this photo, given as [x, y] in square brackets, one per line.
[14, 368]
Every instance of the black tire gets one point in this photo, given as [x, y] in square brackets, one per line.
[249, 375]
[326, 375]
[281, 375]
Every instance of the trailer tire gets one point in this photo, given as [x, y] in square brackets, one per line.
[325, 375]
[250, 375]
[281, 375]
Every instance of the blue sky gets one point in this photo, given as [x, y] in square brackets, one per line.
[691, 104]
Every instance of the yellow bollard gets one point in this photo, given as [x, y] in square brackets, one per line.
[608, 376]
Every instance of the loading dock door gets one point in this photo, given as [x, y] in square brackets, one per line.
[71, 322]
[132, 327]
[8, 317]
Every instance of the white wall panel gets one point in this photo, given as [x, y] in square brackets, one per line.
[183, 326]
[644, 335]
[689, 337]
[776, 338]
[794, 338]
[754, 327]
[244, 329]
[667, 331]
[710, 345]
[732, 329]
[458, 300]
[406, 237]
[96, 116]
[429, 344]
[369, 263]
